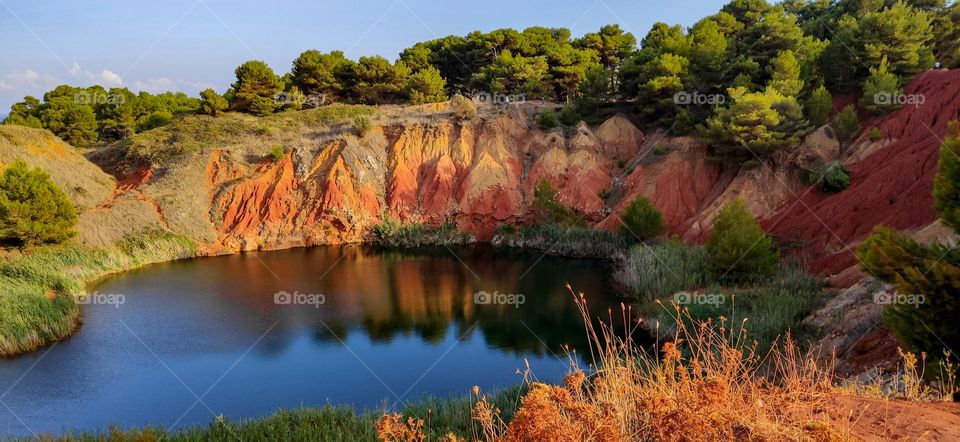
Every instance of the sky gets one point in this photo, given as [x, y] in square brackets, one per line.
[190, 45]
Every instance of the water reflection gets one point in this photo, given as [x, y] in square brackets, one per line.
[392, 324]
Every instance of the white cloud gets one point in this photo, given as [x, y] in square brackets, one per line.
[105, 78]
[156, 85]
[28, 82]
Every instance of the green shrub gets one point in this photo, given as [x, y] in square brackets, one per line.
[548, 210]
[212, 103]
[738, 248]
[564, 240]
[831, 177]
[662, 268]
[569, 116]
[661, 150]
[391, 232]
[463, 108]
[875, 134]
[276, 153]
[641, 220]
[847, 124]
[33, 210]
[154, 120]
[930, 271]
[361, 124]
[818, 106]
[546, 119]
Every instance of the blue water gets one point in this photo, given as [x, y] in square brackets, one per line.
[197, 339]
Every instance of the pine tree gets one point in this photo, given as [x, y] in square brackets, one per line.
[641, 220]
[785, 74]
[818, 106]
[211, 103]
[846, 125]
[33, 210]
[882, 90]
[738, 248]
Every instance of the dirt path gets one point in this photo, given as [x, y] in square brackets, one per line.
[883, 420]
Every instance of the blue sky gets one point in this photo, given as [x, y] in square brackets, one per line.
[189, 45]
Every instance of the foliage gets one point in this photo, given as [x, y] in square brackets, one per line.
[394, 233]
[276, 153]
[548, 210]
[378, 81]
[755, 123]
[900, 34]
[881, 90]
[738, 248]
[946, 185]
[641, 220]
[847, 124]
[362, 125]
[212, 103]
[426, 86]
[33, 210]
[662, 268]
[564, 240]
[930, 271]
[463, 108]
[547, 119]
[875, 134]
[818, 106]
[784, 73]
[317, 75]
[831, 177]
[255, 89]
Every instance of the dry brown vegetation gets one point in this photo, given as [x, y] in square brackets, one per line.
[707, 382]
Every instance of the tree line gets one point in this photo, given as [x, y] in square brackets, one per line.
[749, 79]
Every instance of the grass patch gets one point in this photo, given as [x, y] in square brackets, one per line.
[330, 423]
[563, 240]
[37, 289]
[394, 233]
[661, 268]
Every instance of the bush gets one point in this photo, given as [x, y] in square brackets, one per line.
[154, 120]
[362, 125]
[818, 106]
[276, 153]
[548, 210]
[547, 119]
[569, 116]
[463, 108]
[555, 239]
[211, 103]
[33, 210]
[831, 177]
[641, 220]
[393, 233]
[875, 134]
[662, 268]
[738, 248]
[847, 124]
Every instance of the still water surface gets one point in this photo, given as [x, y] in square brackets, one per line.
[201, 338]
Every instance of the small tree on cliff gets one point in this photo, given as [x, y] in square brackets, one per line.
[255, 89]
[641, 220]
[818, 106]
[738, 248]
[550, 211]
[33, 210]
[846, 125]
[927, 275]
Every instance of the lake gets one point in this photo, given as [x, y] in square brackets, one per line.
[179, 343]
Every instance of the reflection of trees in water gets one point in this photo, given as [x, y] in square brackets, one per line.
[430, 293]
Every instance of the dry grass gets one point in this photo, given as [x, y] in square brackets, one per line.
[706, 383]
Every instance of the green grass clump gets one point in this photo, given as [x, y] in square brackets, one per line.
[394, 233]
[330, 423]
[662, 268]
[37, 289]
[563, 240]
